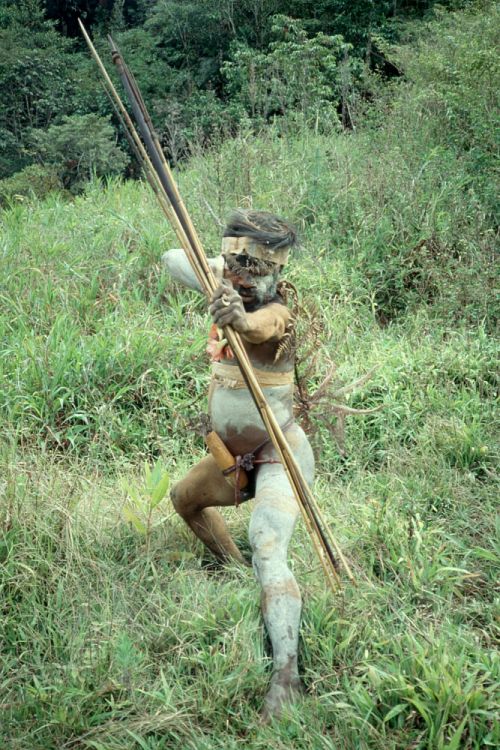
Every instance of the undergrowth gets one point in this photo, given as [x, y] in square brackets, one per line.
[114, 641]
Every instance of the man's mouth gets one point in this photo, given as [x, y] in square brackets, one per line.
[246, 293]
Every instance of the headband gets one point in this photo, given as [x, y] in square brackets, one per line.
[247, 246]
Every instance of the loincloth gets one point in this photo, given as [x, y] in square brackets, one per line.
[248, 462]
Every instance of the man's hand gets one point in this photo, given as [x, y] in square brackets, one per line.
[226, 309]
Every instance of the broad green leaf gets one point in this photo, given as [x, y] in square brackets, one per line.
[395, 711]
[132, 518]
[160, 490]
[133, 493]
[156, 474]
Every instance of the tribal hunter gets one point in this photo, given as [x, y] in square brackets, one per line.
[251, 298]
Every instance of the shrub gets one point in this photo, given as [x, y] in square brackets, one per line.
[36, 87]
[33, 181]
[455, 76]
[297, 73]
[83, 146]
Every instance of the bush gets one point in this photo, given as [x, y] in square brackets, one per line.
[297, 73]
[34, 181]
[455, 76]
[83, 146]
[36, 86]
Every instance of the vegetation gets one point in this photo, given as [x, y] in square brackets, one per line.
[204, 68]
[117, 633]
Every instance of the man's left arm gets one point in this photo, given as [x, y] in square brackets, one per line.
[267, 324]
[180, 268]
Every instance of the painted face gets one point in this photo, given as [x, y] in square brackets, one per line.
[254, 280]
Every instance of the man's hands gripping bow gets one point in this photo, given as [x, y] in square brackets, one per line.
[226, 309]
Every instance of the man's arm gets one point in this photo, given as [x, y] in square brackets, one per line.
[180, 268]
[267, 324]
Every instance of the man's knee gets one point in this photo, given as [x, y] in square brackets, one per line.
[180, 499]
[193, 492]
[272, 523]
[264, 542]
[269, 548]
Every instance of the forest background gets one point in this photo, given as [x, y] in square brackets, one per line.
[374, 127]
[205, 69]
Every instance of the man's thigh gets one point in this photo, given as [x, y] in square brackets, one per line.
[203, 486]
[271, 477]
[275, 508]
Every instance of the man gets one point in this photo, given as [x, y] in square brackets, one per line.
[255, 248]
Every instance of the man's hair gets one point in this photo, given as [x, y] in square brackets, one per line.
[262, 227]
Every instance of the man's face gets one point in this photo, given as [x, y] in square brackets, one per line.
[254, 280]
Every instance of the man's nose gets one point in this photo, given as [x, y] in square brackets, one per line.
[247, 283]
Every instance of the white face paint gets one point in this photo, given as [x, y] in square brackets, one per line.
[266, 287]
[255, 288]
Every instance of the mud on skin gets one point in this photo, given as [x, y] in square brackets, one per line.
[236, 419]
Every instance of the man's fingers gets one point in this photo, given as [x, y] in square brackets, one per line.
[226, 307]
[225, 315]
[225, 289]
[224, 302]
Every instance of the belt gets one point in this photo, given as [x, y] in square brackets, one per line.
[230, 376]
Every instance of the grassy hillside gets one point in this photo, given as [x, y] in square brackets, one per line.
[115, 639]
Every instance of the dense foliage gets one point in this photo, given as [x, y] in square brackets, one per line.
[204, 68]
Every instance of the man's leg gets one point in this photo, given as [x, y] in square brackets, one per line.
[271, 526]
[193, 497]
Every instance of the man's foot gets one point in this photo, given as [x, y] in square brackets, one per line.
[285, 689]
[215, 564]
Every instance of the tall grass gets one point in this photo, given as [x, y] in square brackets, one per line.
[112, 641]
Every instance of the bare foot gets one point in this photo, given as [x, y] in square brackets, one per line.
[285, 689]
[215, 564]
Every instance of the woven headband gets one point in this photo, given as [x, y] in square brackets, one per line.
[245, 245]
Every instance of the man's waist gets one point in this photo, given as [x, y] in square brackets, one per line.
[230, 376]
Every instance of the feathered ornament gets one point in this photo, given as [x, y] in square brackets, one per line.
[217, 346]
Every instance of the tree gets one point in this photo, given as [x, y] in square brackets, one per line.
[35, 84]
[79, 148]
[297, 72]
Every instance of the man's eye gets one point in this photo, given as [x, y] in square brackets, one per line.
[243, 260]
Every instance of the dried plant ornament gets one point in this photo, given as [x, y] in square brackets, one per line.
[321, 403]
[288, 293]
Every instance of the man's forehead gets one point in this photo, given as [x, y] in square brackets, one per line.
[248, 246]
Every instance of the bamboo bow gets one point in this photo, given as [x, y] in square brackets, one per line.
[159, 176]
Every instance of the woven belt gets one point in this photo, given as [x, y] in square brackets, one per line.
[229, 376]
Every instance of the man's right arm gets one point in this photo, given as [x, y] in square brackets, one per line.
[180, 268]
